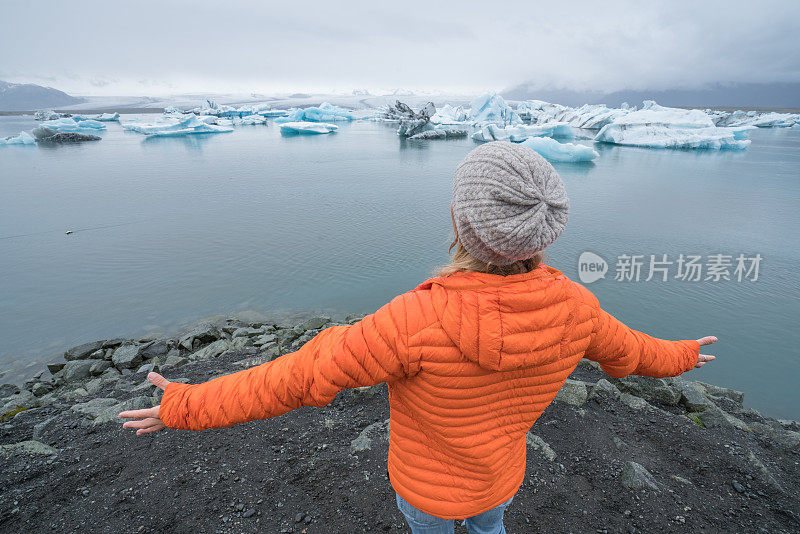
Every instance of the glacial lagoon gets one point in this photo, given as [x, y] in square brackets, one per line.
[167, 231]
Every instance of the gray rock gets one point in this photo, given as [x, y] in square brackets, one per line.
[211, 351]
[8, 389]
[175, 360]
[602, 390]
[99, 367]
[314, 323]
[636, 477]
[111, 375]
[55, 367]
[93, 386]
[573, 392]
[204, 333]
[265, 339]
[111, 414]
[247, 332]
[127, 357]
[39, 428]
[377, 430]
[714, 416]
[632, 401]
[24, 399]
[241, 342]
[693, 396]
[656, 390]
[153, 366]
[354, 318]
[77, 370]
[440, 133]
[82, 351]
[29, 447]
[41, 388]
[538, 444]
[681, 480]
[766, 476]
[114, 343]
[717, 391]
[156, 349]
[94, 407]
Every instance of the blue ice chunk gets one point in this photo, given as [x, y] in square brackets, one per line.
[307, 127]
[188, 126]
[517, 134]
[102, 117]
[70, 124]
[324, 113]
[552, 150]
[491, 108]
[660, 136]
[24, 138]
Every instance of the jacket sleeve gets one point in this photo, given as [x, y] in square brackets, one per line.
[369, 352]
[622, 351]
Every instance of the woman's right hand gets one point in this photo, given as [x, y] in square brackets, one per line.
[705, 358]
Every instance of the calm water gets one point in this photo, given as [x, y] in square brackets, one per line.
[168, 231]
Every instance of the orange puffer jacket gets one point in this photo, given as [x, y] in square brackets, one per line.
[471, 361]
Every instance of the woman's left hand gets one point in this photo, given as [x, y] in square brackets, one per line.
[147, 420]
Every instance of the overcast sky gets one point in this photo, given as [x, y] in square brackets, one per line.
[164, 47]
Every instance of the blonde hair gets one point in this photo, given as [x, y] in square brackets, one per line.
[462, 260]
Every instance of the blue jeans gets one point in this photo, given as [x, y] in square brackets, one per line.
[489, 522]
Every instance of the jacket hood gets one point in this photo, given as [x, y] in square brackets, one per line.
[504, 323]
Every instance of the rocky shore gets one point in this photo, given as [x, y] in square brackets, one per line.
[630, 455]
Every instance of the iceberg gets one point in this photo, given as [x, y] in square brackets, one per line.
[44, 134]
[440, 133]
[517, 134]
[450, 115]
[188, 126]
[49, 115]
[413, 123]
[325, 112]
[660, 136]
[492, 109]
[70, 124]
[753, 118]
[552, 150]
[400, 111]
[251, 119]
[662, 127]
[307, 127]
[102, 117]
[588, 116]
[24, 138]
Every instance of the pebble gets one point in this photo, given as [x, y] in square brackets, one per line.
[249, 513]
[738, 487]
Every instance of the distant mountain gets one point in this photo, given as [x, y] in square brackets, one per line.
[27, 96]
[749, 95]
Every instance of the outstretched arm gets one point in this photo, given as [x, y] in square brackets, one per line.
[622, 351]
[372, 351]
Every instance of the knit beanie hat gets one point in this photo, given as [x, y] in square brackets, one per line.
[508, 203]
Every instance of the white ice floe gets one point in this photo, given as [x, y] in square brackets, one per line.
[753, 118]
[552, 150]
[307, 127]
[70, 124]
[325, 112]
[657, 126]
[659, 136]
[24, 138]
[588, 116]
[448, 114]
[492, 109]
[187, 126]
[251, 119]
[102, 117]
[519, 133]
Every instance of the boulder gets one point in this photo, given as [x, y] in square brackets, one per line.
[211, 351]
[77, 370]
[314, 323]
[247, 332]
[538, 444]
[39, 428]
[99, 367]
[175, 360]
[265, 339]
[573, 392]
[603, 390]
[717, 391]
[714, 416]
[8, 389]
[41, 388]
[636, 477]
[693, 396]
[155, 349]
[654, 390]
[55, 367]
[127, 357]
[632, 401]
[29, 447]
[205, 332]
[111, 414]
[94, 407]
[83, 351]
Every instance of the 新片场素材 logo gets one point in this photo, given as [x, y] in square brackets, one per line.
[591, 267]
